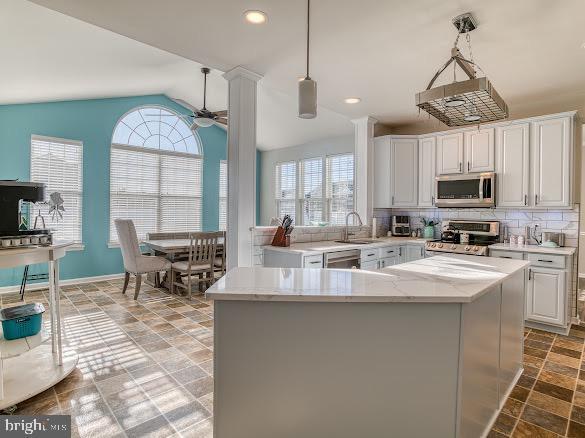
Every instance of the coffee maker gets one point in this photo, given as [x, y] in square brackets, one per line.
[11, 232]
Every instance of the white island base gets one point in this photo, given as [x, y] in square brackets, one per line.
[290, 368]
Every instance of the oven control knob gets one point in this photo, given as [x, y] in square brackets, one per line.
[476, 248]
[432, 245]
[439, 245]
[467, 248]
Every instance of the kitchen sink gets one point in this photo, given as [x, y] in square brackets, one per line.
[356, 241]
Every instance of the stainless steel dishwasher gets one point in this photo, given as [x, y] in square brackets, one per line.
[348, 259]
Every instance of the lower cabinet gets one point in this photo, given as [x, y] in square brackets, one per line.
[372, 264]
[414, 252]
[545, 298]
[389, 261]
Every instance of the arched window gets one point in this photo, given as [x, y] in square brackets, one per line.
[155, 173]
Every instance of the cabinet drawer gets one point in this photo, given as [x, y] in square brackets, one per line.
[369, 255]
[314, 261]
[389, 251]
[507, 254]
[547, 260]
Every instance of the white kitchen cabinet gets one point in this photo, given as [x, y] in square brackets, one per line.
[314, 261]
[513, 165]
[414, 252]
[479, 150]
[404, 172]
[373, 264]
[449, 154]
[389, 261]
[551, 148]
[426, 171]
[546, 296]
[382, 152]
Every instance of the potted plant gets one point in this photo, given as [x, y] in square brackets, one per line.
[429, 227]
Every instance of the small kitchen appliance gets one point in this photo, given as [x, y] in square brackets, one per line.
[480, 234]
[400, 226]
[552, 240]
[471, 190]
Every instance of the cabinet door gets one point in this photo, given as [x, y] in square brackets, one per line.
[404, 173]
[414, 252]
[450, 154]
[545, 298]
[373, 264]
[426, 171]
[512, 153]
[382, 197]
[479, 150]
[551, 151]
[389, 261]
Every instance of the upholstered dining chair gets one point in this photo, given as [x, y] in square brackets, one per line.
[134, 261]
[202, 254]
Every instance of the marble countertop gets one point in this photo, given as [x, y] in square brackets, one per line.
[451, 278]
[565, 251]
[316, 248]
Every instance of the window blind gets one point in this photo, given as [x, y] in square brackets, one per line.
[340, 190]
[58, 163]
[312, 190]
[223, 195]
[159, 191]
[286, 189]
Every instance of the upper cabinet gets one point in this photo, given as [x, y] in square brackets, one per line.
[426, 171]
[450, 154]
[551, 149]
[479, 150]
[404, 172]
[382, 149]
[512, 170]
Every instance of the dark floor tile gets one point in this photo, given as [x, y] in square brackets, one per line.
[519, 393]
[566, 352]
[527, 430]
[188, 374]
[531, 371]
[541, 354]
[156, 346]
[560, 369]
[537, 344]
[505, 423]
[204, 386]
[157, 427]
[495, 434]
[553, 390]
[526, 382]
[187, 415]
[578, 414]
[544, 419]
[576, 430]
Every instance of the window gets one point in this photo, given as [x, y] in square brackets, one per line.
[339, 187]
[223, 195]
[312, 190]
[59, 164]
[325, 189]
[286, 189]
[155, 173]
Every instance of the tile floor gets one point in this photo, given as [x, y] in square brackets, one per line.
[146, 370]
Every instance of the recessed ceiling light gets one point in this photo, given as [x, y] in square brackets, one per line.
[255, 17]
[352, 100]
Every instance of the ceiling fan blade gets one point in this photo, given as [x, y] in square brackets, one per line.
[194, 127]
[222, 120]
[223, 113]
[185, 104]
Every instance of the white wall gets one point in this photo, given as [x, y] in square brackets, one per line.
[329, 146]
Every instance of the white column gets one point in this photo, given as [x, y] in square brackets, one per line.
[364, 167]
[241, 210]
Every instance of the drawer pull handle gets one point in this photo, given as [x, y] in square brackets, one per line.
[315, 262]
[530, 274]
[505, 257]
[369, 255]
[547, 261]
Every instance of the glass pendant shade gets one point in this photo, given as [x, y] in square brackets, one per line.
[203, 122]
[307, 98]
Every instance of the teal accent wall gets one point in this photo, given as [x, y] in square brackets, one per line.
[92, 122]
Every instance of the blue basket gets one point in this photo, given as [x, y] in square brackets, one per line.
[22, 321]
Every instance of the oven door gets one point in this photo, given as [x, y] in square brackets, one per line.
[474, 190]
[349, 259]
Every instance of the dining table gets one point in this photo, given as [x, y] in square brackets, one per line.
[172, 249]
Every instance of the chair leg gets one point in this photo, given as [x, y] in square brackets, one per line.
[189, 285]
[137, 288]
[157, 279]
[172, 275]
[126, 280]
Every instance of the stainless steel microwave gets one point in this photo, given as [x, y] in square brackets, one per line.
[472, 190]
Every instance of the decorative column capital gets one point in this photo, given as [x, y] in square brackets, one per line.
[241, 72]
[365, 120]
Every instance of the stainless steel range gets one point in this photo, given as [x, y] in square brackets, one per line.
[464, 237]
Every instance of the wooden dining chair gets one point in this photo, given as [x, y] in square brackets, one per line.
[219, 264]
[200, 262]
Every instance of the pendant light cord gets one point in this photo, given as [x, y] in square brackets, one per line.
[204, 89]
[308, 34]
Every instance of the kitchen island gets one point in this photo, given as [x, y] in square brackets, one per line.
[427, 348]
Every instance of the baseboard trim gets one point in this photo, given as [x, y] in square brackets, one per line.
[45, 284]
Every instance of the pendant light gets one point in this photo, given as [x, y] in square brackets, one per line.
[202, 120]
[307, 86]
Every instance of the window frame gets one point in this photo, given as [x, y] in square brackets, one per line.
[299, 187]
[77, 245]
[222, 165]
[159, 152]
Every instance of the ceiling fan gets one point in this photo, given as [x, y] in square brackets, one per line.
[201, 118]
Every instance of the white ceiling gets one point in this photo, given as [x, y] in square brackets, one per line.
[381, 51]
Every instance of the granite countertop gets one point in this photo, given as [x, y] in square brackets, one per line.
[316, 248]
[451, 278]
[565, 251]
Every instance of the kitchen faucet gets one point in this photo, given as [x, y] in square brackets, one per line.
[346, 232]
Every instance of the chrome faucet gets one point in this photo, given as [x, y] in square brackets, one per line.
[346, 232]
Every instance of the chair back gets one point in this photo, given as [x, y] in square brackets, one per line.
[128, 243]
[203, 248]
